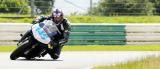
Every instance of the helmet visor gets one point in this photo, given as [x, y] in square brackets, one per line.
[56, 14]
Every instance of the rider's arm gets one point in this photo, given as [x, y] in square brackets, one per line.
[39, 19]
[67, 29]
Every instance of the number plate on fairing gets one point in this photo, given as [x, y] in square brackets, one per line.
[40, 34]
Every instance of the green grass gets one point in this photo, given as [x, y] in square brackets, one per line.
[16, 20]
[88, 19]
[13, 15]
[115, 19]
[149, 63]
[7, 48]
[98, 48]
[113, 48]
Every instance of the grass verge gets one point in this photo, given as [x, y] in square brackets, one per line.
[113, 48]
[92, 19]
[149, 63]
[16, 20]
[115, 19]
[98, 48]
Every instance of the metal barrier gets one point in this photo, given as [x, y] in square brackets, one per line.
[92, 34]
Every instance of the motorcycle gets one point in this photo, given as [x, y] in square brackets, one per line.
[33, 45]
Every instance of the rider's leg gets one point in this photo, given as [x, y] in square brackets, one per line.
[55, 51]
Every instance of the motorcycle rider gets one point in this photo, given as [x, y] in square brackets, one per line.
[62, 35]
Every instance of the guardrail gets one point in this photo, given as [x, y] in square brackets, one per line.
[92, 34]
[143, 34]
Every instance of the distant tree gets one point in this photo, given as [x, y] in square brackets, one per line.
[157, 6]
[123, 7]
[44, 5]
[13, 6]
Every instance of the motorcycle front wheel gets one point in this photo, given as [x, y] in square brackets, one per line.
[20, 50]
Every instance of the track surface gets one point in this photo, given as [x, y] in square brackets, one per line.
[75, 59]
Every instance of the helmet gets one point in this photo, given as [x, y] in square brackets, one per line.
[57, 15]
[57, 12]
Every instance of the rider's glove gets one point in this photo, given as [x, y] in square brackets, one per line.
[38, 19]
[62, 42]
[35, 21]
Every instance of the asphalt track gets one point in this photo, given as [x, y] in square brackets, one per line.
[75, 59]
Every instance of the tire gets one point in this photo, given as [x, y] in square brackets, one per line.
[54, 57]
[20, 50]
[28, 58]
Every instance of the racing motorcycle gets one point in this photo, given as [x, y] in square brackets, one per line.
[32, 45]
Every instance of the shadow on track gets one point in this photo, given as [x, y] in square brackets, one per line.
[38, 60]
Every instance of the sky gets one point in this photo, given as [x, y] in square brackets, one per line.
[71, 6]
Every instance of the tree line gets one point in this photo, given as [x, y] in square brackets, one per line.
[24, 6]
[126, 7]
